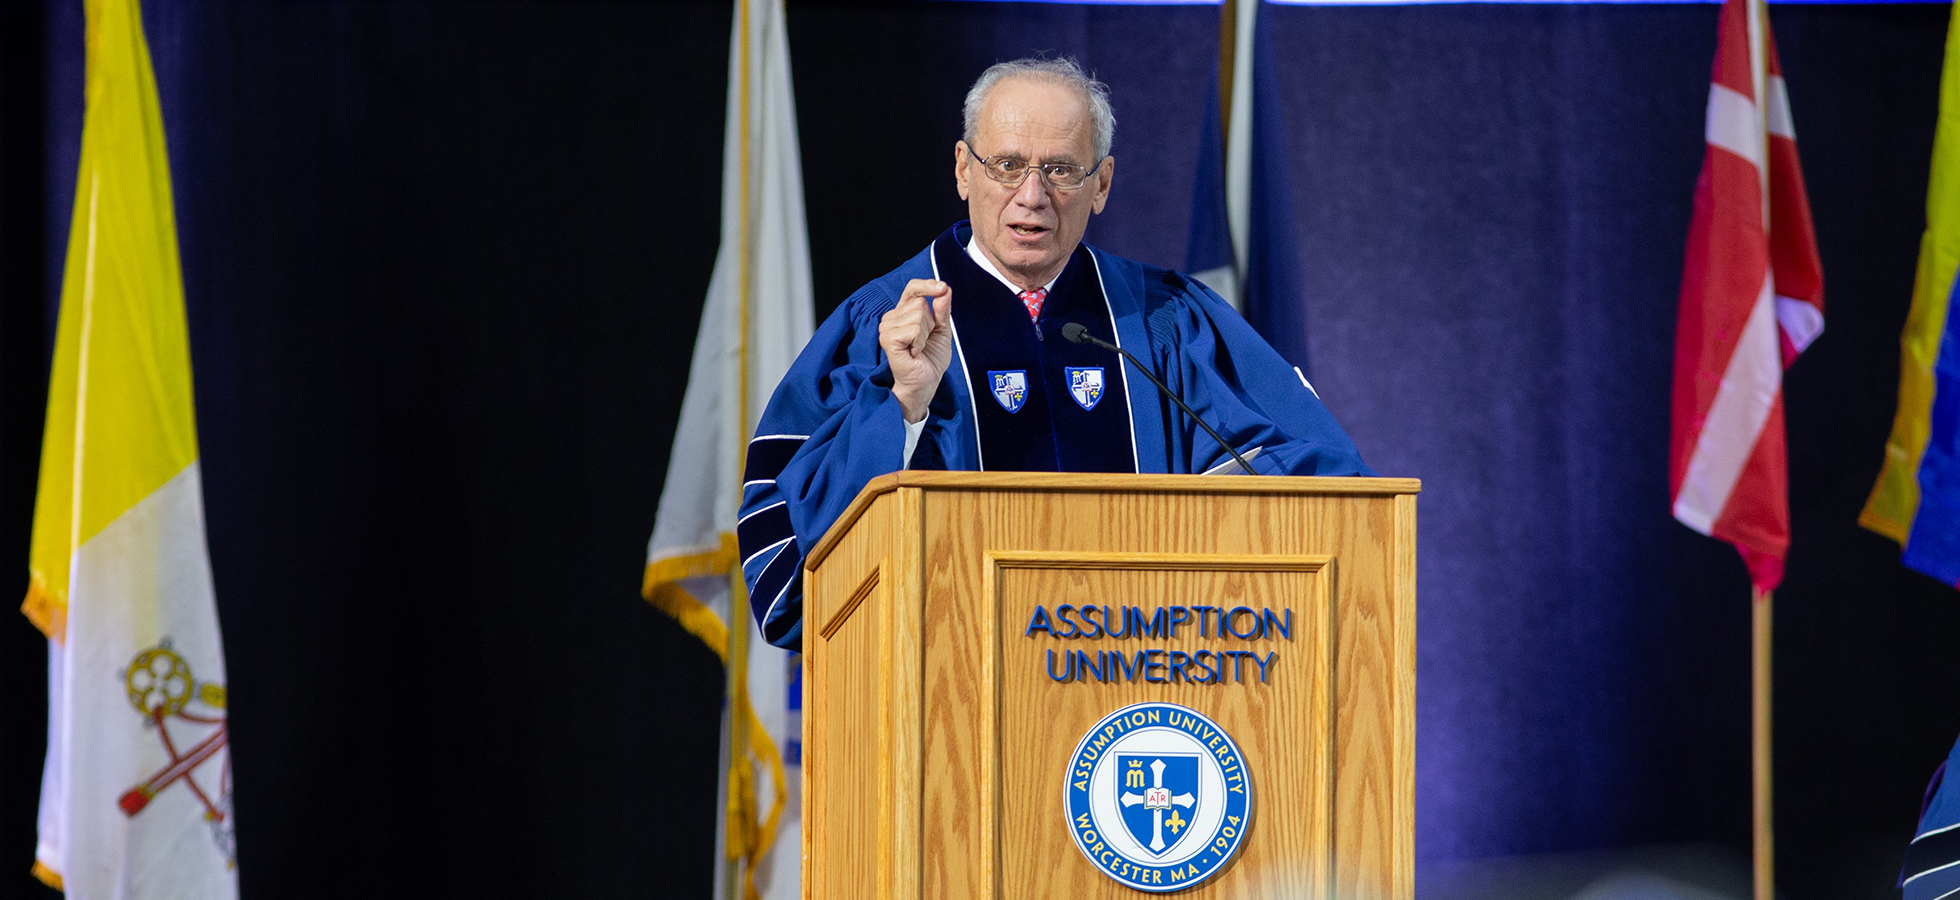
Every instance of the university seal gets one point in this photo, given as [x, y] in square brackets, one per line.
[1158, 797]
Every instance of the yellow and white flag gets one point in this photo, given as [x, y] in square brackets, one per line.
[757, 317]
[136, 793]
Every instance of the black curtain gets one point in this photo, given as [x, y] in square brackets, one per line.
[444, 263]
[23, 399]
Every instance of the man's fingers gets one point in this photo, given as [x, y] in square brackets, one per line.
[922, 289]
[939, 295]
[899, 338]
[909, 326]
[924, 331]
[942, 309]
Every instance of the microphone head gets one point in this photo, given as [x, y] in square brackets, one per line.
[1074, 333]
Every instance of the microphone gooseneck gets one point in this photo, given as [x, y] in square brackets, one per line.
[1075, 333]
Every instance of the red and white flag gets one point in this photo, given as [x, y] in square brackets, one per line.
[1752, 298]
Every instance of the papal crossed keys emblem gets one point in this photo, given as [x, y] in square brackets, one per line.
[1158, 793]
[161, 687]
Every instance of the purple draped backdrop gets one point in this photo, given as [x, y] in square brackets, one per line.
[444, 262]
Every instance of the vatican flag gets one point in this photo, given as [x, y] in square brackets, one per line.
[136, 794]
[757, 317]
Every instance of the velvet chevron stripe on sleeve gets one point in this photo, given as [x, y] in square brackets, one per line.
[1932, 867]
[772, 561]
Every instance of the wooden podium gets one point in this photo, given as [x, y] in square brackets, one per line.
[944, 710]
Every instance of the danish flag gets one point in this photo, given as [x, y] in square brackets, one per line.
[1752, 298]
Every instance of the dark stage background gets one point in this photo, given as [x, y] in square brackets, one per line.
[444, 263]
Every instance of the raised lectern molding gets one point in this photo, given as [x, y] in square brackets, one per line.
[1071, 481]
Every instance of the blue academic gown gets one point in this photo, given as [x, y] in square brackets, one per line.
[833, 424]
[1932, 868]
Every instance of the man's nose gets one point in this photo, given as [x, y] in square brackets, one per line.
[1032, 192]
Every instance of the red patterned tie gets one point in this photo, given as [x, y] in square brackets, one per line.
[1032, 300]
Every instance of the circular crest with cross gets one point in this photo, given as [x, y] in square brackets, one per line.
[1159, 798]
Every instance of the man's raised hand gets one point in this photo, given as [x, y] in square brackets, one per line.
[917, 337]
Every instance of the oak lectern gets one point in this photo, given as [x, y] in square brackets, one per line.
[1096, 686]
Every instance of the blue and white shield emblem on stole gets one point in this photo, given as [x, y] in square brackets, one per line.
[1085, 384]
[1010, 388]
[1158, 794]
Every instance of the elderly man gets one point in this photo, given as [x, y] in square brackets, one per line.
[956, 359]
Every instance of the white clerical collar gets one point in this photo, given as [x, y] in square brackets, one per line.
[987, 265]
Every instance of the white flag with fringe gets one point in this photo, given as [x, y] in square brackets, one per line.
[756, 318]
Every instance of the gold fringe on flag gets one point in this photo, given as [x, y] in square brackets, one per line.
[749, 840]
[48, 612]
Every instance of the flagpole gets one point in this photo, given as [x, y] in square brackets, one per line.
[1759, 666]
[1763, 843]
[741, 770]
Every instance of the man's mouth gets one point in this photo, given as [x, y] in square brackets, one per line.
[1028, 230]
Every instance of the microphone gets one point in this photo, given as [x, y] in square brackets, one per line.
[1074, 333]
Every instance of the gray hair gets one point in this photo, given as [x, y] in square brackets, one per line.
[1064, 71]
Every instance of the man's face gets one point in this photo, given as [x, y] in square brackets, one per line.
[1029, 229]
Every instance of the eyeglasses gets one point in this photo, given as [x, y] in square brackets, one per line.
[1012, 170]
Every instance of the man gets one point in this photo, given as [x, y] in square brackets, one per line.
[956, 359]
[1932, 868]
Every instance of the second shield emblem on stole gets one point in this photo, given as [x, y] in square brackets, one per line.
[1010, 388]
[1085, 384]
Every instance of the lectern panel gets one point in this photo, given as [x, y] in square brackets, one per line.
[847, 708]
[1254, 658]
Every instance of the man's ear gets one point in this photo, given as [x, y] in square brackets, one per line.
[960, 172]
[1106, 173]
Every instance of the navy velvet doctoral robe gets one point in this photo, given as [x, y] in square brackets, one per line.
[1046, 405]
[833, 425]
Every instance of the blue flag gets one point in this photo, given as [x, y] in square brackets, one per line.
[1241, 240]
[1273, 301]
[1933, 547]
[1208, 253]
